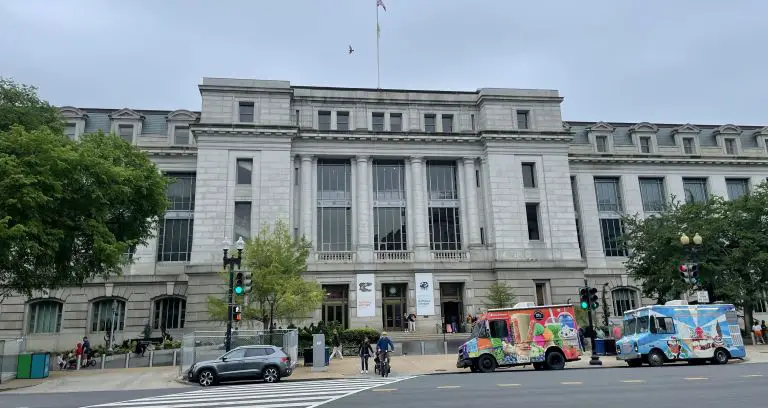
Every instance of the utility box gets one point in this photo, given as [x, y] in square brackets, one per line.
[24, 366]
[41, 363]
[318, 353]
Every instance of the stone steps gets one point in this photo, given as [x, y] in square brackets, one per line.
[409, 337]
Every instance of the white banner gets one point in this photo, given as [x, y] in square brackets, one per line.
[366, 295]
[425, 295]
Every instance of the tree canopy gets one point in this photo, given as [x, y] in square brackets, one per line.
[499, 296]
[69, 210]
[277, 262]
[733, 255]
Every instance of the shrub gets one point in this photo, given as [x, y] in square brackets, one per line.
[356, 336]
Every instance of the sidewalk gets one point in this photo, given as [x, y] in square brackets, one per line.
[98, 380]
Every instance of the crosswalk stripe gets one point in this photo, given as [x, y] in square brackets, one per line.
[304, 394]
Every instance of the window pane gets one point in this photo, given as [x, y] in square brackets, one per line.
[529, 175]
[242, 220]
[246, 110]
[334, 229]
[324, 120]
[169, 313]
[532, 216]
[608, 196]
[395, 122]
[447, 123]
[444, 231]
[181, 135]
[44, 317]
[441, 179]
[342, 120]
[611, 230]
[602, 144]
[70, 130]
[389, 229]
[388, 181]
[126, 132]
[522, 119]
[737, 188]
[652, 194]
[645, 144]
[377, 121]
[106, 311]
[688, 145]
[695, 190]
[623, 300]
[244, 171]
[181, 192]
[175, 240]
[334, 179]
[430, 123]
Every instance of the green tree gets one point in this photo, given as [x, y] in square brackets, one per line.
[499, 296]
[277, 262]
[69, 211]
[20, 105]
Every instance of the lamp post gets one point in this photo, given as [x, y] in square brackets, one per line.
[112, 326]
[692, 251]
[231, 262]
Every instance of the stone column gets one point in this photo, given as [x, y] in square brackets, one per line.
[419, 209]
[364, 244]
[471, 188]
[306, 196]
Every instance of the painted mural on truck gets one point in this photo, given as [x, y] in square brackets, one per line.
[523, 336]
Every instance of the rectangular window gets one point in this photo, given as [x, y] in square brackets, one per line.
[447, 123]
[430, 123]
[730, 146]
[532, 215]
[575, 199]
[342, 120]
[477, 178]
[612, 230]
[688, 146]
[441, 180]
[443, 203]
[377, 121]
[126, 133]
[645, 144]
[389, 232]
[522, 120]
[169, 313]
[623, 300]
[71, 130]
[662, 325]
[472, 121]
[607, 190]
[541, 294]
[334, 203]
[737, 188]
[242, 220]
[389, 201]
[44, 317]
[695, 190]
[175, 229]
[529, 175]
[298, 117]
[246, 110]
[181, 135]
[395, 122]
[244, 171]
[601, 144]
[652, 193]
[444, 229]
[324, 120]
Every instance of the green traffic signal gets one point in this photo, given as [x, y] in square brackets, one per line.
[584, 305]
[239, 290]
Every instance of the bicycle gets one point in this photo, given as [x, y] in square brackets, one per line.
[383, 366]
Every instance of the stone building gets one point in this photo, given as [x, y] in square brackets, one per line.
[415, 201]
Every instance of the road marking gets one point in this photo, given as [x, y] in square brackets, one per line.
[633, 381]
[752, 375]
[695, 378]
[449, 386]
[384, 389]
[508, 385]
[572, 383]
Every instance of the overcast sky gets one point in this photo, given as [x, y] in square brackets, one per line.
[699, 61]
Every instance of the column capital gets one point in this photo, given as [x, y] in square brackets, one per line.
[362, 158]
[307, 157]
[417, 159]
[468, 159]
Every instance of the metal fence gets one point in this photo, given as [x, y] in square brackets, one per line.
[10, 348]
[209, 345]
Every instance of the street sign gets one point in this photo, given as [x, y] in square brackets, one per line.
[702, 296]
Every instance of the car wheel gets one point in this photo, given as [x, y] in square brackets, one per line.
[271, 375]
[655, 358]
[486, 363]
[555, 360]
[720, 357]
[206, 378]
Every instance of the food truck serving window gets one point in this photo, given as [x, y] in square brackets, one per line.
[499, 329]
[662, 325]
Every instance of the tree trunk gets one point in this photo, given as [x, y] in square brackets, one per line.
[748, 322]
[271, 316]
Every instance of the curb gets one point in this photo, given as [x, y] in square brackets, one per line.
[19, 387]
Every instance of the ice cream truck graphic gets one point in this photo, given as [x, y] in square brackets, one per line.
[544, 336]
[679, 332]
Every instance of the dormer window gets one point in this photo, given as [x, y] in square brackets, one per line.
[601, 144]
[730, 146]
[181, 135]
[645, 144]
[71, 130]
[688, 145]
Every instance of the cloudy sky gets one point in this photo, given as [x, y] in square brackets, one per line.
[699, 61]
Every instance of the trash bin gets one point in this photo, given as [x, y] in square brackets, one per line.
[24, 366]
[600, 347]
[610, 347]
[40, 365]
[309, 354]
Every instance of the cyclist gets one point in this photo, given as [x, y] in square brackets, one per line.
[382, 349]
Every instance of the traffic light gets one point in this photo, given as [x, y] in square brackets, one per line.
[684, 272]
[236, 314]
[239, 288]
[247, 283]
[594, 304]
[584, 298]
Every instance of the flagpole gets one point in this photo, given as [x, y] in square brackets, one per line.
[378, 67]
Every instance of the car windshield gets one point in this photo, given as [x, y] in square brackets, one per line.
[236, 353]
[629, 326]
[642, 324]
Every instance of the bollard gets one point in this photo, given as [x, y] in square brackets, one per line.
[127, 358]
[103, 360]
[445, 347]
[151, 357]
[422, 348]
[174, 358]
[79, 359]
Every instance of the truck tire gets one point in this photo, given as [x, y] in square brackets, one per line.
[555, 360]
[720, 357]
[655, 358]
[486, 363]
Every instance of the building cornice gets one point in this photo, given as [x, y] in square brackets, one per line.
[403, 137]
[656, 159]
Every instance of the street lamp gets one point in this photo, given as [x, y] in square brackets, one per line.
[691, 248]
[231, 262]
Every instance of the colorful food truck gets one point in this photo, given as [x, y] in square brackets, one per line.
[544, 336]
[680, 332]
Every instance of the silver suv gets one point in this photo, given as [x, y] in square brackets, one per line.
[269, 363]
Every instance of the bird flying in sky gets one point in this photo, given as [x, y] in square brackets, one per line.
[351, 50]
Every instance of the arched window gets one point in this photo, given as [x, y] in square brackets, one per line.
[623, 299]
[44, 317]
[169, 313]
[106, 311]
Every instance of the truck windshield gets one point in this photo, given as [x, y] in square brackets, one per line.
[479, 330]
[629, 326]
[642, 324]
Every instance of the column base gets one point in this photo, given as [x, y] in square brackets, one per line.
[365, 254]
[421, 254]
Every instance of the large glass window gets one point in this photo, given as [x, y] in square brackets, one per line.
[242, 220]
[612, 230]
[106, 311]
[44, 317]
[334, 214]
[623, 299]
[737, 188]
[169, 313]
[695, 190]
[444, 225]
[609, 207]
[389, 206]
[608, 194]
[175, 233]
[652, 194]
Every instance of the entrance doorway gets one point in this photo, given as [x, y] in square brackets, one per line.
[394, 305]
[336, 305]
[451, 305]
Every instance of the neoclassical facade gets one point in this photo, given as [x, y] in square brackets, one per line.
[415, 202]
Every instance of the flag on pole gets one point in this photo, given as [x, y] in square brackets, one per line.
[381, 3]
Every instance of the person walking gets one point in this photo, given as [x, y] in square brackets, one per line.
[336, 342]
[412, 322]
[87, 352]
[758, 332]
[764, 329]
[364, 351]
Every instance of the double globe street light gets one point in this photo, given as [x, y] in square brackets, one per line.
[229, 264]
[689, 270]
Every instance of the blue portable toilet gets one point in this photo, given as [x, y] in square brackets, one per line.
[40, 366]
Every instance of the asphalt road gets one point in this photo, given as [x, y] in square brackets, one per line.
[78, 399]
[690, 386]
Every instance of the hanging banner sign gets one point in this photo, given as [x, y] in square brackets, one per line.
[366, 295]
[425, 295]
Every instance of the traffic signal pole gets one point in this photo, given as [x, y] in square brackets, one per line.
[594, 358]
[228, 338]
